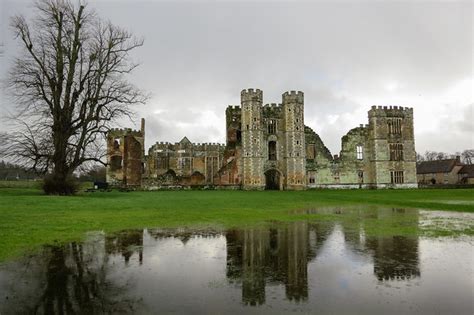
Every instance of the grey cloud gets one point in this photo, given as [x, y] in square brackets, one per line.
[345, 56]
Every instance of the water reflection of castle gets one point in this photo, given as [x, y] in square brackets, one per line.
[72, 278]
[257, 257]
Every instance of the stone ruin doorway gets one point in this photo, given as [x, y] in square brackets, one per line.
[272, 180]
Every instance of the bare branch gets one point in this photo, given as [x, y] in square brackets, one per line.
[69, 86]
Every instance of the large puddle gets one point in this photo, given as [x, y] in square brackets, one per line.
[324, 266]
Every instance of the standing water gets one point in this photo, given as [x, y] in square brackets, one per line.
[359, 263]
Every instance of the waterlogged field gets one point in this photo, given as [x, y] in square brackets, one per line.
[234, 251]
[29, 219]
[337, 265]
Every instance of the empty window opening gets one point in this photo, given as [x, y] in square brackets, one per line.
[360, 152]
[162, 163]
[311, 180]
[394, 126]
[115, 163]
[271, 126]
[396, 177]
[272, 154]
[116, 143]
[360, 176]
[396, 151]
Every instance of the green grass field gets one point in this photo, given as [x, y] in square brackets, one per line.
[28, 218]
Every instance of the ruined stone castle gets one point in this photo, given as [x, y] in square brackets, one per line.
[270, 147]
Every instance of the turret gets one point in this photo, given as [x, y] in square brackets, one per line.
[293, 117]
[252, 138]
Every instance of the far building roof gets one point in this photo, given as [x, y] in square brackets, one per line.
[468, 170]
[437, 166]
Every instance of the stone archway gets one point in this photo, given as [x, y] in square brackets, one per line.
[272, 180]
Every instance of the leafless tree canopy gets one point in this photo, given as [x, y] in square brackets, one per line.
[466, 156]
[69, 86]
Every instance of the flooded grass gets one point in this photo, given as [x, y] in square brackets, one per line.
[328, 266]
[29, 219]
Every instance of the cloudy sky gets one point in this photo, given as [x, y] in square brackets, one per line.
[344, 55]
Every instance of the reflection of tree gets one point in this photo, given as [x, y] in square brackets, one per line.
[126, 243]
[72, 278]
[183, 234]
[71, 286]
[395, 257]
[256, 256]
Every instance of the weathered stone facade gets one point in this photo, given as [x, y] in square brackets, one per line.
[269, 147]
[183, 163]
[125, 156]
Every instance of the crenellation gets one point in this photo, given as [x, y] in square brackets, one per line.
[269, 147]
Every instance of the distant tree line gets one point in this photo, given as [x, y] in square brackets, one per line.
[11, 171]
[466, 156]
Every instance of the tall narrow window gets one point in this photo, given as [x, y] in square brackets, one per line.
[360, 176]
[396, 177]
[271, 126]
[162, 162]
[272, 155]
[394, 126]
[360, 152]
[396, 151]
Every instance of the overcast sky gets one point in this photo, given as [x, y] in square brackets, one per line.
[345, 57]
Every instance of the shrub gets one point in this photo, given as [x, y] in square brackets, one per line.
[59, 186]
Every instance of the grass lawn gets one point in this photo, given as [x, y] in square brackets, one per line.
[28, 218]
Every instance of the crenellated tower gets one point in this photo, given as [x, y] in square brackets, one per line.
[294, 147]
[125, 156]
[252, 139]
[392, 143]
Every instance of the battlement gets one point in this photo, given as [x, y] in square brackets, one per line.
[272, 105]
[388, 111]
[120, 132]
[233, 108]
[293, 97]
[195, 146]
[251, 95]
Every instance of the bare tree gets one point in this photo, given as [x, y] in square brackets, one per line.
[468, 156]
[419, 158]
[69, 86]
[433, 156]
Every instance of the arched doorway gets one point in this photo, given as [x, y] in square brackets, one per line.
[272, 180]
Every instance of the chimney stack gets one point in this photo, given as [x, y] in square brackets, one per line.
[142, 127]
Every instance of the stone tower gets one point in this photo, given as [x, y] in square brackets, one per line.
[392, 144]
[125, 156]
[252, 139]
[294, 147]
